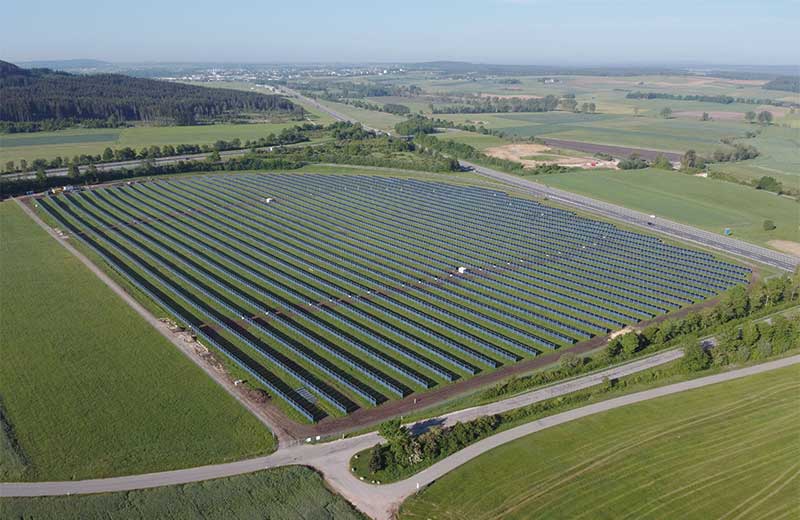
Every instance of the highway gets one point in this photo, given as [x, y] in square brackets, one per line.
[673, 229]
[663, 226]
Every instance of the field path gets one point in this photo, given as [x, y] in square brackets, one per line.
[332, 459]
[271, 420]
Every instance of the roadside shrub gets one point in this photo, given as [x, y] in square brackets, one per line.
[695, 357]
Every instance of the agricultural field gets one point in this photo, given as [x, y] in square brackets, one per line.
[281, 493]
[339, 293]
[702, 202]
[371, 118]
[68, 143]
[633, 123]
[725, 451]
[668, 135]
[87, 387]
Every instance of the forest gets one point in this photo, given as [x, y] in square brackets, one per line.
[37, 95]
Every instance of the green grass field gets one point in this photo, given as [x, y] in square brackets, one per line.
[68, 143]
[284, 493]
[706, 203]
[729, 450]
[89, 389]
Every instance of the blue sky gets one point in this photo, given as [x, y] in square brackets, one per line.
[490, 31]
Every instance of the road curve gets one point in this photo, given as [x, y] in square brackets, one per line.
[673, 229]
[332, 459]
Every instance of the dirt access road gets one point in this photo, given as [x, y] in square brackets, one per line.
[271, 418]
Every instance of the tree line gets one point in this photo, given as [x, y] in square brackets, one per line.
[31, 95]
[491, 104]
[353, 145]
[404, 453]
[723, 99]
[292, 135]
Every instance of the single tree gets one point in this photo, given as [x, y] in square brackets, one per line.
[689, 160]
[705, 117]
[375, 463]
[765, 117]
[769, 225]
[630, 343]
[73, 172]
[9, 166]
[750, 116]
[666, 112]
[108, 154]
[41, 176]
[695, 357]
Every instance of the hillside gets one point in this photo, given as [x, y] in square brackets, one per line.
[32, 95]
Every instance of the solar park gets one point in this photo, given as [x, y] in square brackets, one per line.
[336, 293]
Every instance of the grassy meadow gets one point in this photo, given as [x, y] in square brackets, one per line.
[726, 451]
[277, 494]
[71, 142]
[702, 202]
[88, 388]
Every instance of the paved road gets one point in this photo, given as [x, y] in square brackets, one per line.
[683, 232]
[332, 459]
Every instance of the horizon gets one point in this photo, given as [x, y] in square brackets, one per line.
[581, 33]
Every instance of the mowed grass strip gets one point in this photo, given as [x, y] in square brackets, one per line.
[282, 493]
[89, 388]
[727, 451]
[705, 203]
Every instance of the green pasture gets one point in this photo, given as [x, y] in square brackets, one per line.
[728, 450]
[88, 388]
[702, 202]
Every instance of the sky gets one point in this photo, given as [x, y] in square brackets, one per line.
[570, 32]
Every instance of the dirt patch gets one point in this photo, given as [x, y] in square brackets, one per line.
[520, 152]
[786, 246]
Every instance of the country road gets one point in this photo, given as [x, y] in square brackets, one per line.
[332, 459]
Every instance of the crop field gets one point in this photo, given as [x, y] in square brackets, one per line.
[726, 451]
[281, 493]
[669, 135]
[342, 292]
[87, 387]
[706, 203]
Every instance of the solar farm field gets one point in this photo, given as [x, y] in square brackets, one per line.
[338, 293]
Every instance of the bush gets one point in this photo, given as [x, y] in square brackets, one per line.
[695, 357]
[769, 225]
[634, 162]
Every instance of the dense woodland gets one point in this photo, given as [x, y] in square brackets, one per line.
[787, 83]
[38, 95]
